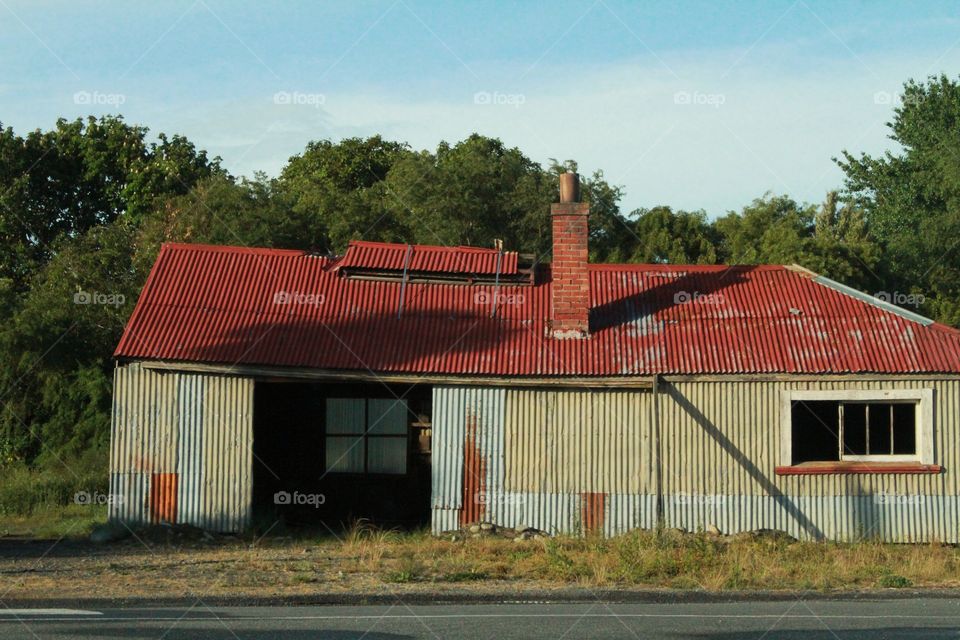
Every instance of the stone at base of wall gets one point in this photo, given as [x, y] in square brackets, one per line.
[890, 518]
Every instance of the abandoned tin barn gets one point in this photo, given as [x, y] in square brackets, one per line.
[415, 384]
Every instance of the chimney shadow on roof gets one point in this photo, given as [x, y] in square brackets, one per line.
[693, 294]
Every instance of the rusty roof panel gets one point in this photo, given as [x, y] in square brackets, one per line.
[382, 256]
[287, 308]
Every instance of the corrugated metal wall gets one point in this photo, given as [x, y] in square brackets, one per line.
[559, 449]
[194, 434]
[559, 460]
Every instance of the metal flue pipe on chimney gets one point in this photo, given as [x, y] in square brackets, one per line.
[570, 287]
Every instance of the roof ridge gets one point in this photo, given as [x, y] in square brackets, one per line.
[226, 248]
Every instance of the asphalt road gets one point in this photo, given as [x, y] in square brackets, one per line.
[833, 619]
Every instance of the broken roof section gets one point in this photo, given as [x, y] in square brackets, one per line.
[230, 305]
[384, 256]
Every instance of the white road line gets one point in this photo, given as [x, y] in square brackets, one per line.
[48, 612]
[233, 618]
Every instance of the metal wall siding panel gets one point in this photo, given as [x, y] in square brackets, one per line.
[217, 304]
[575, 441]
[844, 518]
[724, 437]
[129, 493]
[228, 453]
[196, 427]
[462, 417]
[720, 448]
[189, 459]
[447, 448]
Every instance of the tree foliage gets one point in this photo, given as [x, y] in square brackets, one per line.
[85, 206]
[911, 198]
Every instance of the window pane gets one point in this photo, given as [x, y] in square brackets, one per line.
[387, 455]
[387, 416]
[345, 415]
[344, 454]
[855, 428]
[880, 429]
[905, 428]
[815, 425]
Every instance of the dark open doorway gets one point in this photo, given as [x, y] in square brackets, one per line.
[331, 453]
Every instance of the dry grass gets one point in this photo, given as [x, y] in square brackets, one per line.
[370, 560]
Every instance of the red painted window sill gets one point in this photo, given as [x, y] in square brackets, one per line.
[841, 468]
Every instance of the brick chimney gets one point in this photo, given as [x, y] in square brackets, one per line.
[569, 315]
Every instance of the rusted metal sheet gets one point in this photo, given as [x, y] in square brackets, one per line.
[220, 305]
[425, 258]
[181, 448]
[467, 449]
[592, 512]
[163, 498]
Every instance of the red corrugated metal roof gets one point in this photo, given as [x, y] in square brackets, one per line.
[382, 256]
[286, 308]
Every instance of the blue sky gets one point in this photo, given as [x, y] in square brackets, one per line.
[688, 104]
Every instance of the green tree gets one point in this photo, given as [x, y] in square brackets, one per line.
[777, 230]
[80, 175]
[337, 193]
[911, 197]
[660, 235]
[55, 385]
[472, 193]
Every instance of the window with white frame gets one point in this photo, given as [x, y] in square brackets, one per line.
[857, 426]
[366, 435]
